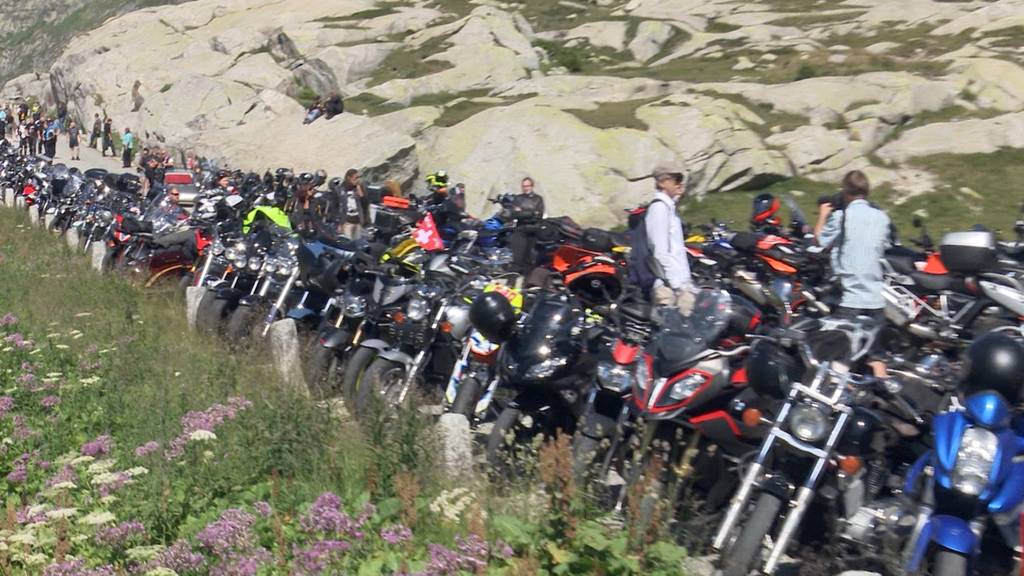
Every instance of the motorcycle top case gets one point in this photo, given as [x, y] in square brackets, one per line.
[969, 252]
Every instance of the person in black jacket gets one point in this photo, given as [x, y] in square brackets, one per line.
[526, 208]
[305, 210]
[348, 204]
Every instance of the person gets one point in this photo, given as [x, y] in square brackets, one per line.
[314, 111]
[50, 141]
[128, 143]
[97, 128]
[35, 135]
[857, 235]
[450, 215]
[668, 246]
[334, 106]
[3, 123]
[526, 208]
[23, 137]
[437, 187]
[191, 162]
[351, 209]
[764, 215]
[154, 174]
[108, 137]
[305, 211]
[73, 135]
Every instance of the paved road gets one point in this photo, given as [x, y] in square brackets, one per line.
[90, 158]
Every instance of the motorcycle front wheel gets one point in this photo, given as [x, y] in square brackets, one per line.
[949, 563]
[466, 398]
[354, 369]
[383, 381]
[738, 558]
[211, 312]
[323, 372]
[240, 326]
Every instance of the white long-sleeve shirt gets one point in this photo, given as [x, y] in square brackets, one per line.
[665, 235]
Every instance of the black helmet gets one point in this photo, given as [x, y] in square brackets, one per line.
[764, 210]
[335, 184]
[60, 172]
[307, 179]
[321, 177]
[995, 362]
[492, 314]
[770, 369]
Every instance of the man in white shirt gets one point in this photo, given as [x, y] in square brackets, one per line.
[665, 235]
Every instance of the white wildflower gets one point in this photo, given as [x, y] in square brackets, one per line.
[25, 538]
[161, 572]
[54, 374]
[65, 485]
[202, 436]
[53, 335]
[108, 499]
[137, 471]
[98, 518]
[38, 350]
[49, 380]
[7, 349]
[36, 559]
[109, 478]
[90, 380]
[100, 467]
[143, 553]
[81, 460]
[452, 503]
[61, 346]
[83, 314]
[61, 513]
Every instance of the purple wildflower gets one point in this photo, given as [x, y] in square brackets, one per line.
[120, 480]
[326, 516]
[23, 516]
[118, 536]
[207, 420]
[243, 564]
[502, 549]
[66, 474]
[19, 471]
[396, 534]
[263, 509]
[178, 557]
[50, 401]
[8, 320]
[99, 446]
[315, 558]
[231, 531]
[25, 379]
[6, 403]
[18, 341]
[77, 568]
[21, 429]
[151, 446]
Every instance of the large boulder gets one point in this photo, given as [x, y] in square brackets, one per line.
[975, 136]
[334, 68]
[995, 83]
[581, 170]
[36, 86]
[814, 148]
[650, 38]
[712, 136]
[610, 34]
[592, 88]
[473, 68]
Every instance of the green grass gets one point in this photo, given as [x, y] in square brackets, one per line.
[361, 15]
[369, 105]
[410, 63]
[734, 207]
[614, 114]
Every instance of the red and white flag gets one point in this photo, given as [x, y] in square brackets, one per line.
[426, 234]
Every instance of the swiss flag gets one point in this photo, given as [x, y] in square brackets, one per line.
[426, 234]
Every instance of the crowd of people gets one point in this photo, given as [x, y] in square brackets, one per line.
[38, 131]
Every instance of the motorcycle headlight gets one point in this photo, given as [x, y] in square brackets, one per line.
[808, 423]
[417, 309]
[240, 262]
[217, 248]
[643, 374]
[978, 448]
[546, 368]
[254, 264]
[615, 377]
[685, 387]
[355, 306]
[234, 252]
[271, 266]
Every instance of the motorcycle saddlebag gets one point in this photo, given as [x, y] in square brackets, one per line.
[969, 252]
[597, 240]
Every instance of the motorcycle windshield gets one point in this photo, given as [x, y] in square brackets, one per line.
[683, 337]
[546, 332]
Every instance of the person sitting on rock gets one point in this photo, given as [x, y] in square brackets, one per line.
[314, 111]
[334, 106]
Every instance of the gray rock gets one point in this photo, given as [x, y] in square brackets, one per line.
[743, 63]
[48, 220]
[284, 350]
[650, 38]
[71, 237]
[7, 196]
[97, 253]
[193, 296]
[33, 214]
[457, 446]
[19, 202]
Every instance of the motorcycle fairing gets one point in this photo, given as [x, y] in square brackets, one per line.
[948, 532]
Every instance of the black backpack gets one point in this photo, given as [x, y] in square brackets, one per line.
[644, 268]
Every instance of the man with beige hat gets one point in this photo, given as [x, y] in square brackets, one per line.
[665, 235]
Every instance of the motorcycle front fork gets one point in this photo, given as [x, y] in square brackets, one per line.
[279, 303]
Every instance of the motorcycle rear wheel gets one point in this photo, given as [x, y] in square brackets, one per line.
[738, 558]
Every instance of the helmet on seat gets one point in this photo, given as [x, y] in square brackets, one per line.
[493, 315]
[994, 361]
[764, 210]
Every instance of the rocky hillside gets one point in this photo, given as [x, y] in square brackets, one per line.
[33, 33]
[926, 96]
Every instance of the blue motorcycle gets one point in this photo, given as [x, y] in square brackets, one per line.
[971, 476]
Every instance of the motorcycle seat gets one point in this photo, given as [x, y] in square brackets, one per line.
[903, 261]
[636, 310]
[933, 282]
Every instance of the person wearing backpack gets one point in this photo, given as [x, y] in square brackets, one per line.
[658, 260]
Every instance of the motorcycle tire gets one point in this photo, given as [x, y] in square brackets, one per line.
[949, 563]
[585, 452]
[466, 398]
[240, 326]
[323, 377]
[354, 369]
[497, 451]
[379, 383]
[56, 225]
[210, 313]
[739, 558]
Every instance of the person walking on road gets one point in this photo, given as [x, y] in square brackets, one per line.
[97, 129]
[108, 137]
[128, 145]
[73, 135]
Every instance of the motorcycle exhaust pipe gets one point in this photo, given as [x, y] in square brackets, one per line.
[279, 303]
[922, 331]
